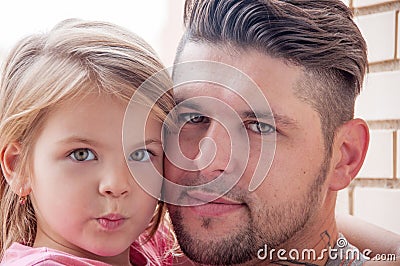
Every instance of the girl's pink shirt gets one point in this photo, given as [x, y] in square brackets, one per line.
[21, 255]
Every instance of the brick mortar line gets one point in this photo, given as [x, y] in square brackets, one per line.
[394, 154]
[388, 183]
[351, 200]
[376, 8]
[390, 124]
[383, 66]
[396, 34]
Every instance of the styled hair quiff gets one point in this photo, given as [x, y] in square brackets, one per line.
[319, 36]
[74, 59]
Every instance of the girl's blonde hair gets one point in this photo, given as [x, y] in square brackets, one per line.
[74, 59]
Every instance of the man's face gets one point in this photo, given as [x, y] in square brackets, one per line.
[232, 228]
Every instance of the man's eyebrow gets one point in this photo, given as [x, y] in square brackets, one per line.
[280, 119]
[255, 114]
[183, 102]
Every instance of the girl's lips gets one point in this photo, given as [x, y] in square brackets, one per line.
[113, 216]
[111, 222]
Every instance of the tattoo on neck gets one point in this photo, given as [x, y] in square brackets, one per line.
[325, 237]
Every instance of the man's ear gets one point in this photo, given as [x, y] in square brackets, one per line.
[349, 149]
[9, 157]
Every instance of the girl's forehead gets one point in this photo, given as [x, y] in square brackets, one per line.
[76, 102]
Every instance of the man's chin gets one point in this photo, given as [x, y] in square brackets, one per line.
[210, 240]
[218, 250]
[205, 222]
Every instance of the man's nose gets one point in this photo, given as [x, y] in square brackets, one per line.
[214, 151]
[115, 181]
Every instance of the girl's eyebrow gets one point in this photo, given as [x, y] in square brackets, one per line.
[146, 142]
[150, 141]
[78, 139]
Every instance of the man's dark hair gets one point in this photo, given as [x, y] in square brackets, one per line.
[320, 36]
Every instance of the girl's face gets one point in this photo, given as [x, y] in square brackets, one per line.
[86, 201]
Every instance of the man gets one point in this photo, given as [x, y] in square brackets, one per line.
[308, 60]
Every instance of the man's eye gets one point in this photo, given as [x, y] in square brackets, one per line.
[192, 118]
[141, 155]
[261, 128]
[81, 155]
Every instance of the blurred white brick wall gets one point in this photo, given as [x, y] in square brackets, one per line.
[379, 160]
[375, 194]
[378, 30]
[378, 205]
[379, 99]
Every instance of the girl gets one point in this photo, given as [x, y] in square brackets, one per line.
[67, 195]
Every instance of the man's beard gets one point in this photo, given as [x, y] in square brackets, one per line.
[271, 226]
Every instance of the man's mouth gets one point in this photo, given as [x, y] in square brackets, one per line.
[209, 204]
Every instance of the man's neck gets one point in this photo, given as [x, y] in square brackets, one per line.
[310, 246]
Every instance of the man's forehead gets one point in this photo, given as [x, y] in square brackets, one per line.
[244, 64]
[250, 73]
[219, 81]
[204, 95]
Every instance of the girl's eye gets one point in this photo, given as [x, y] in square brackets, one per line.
[192, 118]
[261, 128]
[141, 155]
[81, 155]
